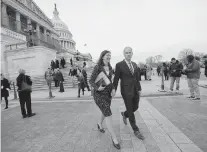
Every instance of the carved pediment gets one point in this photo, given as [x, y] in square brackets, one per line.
[32, 6]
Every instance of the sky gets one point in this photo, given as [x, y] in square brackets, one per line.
[150, 27]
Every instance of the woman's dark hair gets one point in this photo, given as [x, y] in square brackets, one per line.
[100, 61]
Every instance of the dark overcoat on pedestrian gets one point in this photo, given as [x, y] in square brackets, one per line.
[6, 85]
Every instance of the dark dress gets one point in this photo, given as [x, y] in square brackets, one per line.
[102, 98]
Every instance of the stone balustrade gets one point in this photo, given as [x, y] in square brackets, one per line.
[13, 34]
[16, 46]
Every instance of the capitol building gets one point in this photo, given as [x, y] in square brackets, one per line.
[30, 40]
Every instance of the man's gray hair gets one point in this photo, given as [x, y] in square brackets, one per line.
[127, 48]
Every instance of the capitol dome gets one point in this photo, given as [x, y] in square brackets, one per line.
[65, 36]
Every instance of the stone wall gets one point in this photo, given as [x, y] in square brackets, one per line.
[35, 60]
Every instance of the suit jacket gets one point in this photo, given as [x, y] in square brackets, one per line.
[130, 84]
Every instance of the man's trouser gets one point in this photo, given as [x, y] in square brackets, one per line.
[194, 87]
[172, 81]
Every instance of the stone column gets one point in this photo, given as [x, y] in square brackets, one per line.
[4, 16]
[45, 34]
[67, 44]
[38, 33]
[18, 21]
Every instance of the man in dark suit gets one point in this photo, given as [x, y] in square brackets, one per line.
[128, 72]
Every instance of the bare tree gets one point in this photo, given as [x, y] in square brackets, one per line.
[184, 53]
[158, 58]
[141, 64]
[150, 60]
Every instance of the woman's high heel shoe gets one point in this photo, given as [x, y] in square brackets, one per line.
[117, 146]
[101, 130]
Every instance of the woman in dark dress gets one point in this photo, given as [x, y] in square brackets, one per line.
[4, 89]
[104, 93]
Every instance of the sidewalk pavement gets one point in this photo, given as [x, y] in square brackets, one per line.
[62, 126]
[149, 88]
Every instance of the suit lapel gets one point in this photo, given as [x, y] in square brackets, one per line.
[126, 67]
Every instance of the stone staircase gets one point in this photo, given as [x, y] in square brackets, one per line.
[39, 82]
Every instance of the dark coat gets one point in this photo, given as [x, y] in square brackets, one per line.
[59, 76]
[129, 83]
[81, 82]
[178, 67]
[62, 61]
[53, 65]
[74, 72]
[57, 64]
[6, 85]
[20, 79]
[84, 73]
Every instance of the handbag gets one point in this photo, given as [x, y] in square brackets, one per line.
[25, 86]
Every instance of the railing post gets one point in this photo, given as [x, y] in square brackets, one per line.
[15, 94]
[162, 82]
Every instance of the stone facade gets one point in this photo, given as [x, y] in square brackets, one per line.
[30, 40]
[35, 60]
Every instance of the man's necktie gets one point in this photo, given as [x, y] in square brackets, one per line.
[130, 68]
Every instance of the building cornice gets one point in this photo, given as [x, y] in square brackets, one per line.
[28, 12]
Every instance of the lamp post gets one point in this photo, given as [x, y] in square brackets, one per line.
[15, 94]
[30, 30]
[162, 80]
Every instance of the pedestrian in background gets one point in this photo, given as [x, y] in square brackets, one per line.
[165, 71]
[5, 87]
[149, 72]
[24, 84]
[62, 62]
[193, 75]
[60, 79]
[84, 73]
[175, 70]
[52, 65]
[49, 77]
[57, 64]
[55, 78]
[81, 83]
[71, 61]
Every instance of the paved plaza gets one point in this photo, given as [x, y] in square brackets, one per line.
[68, 124]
